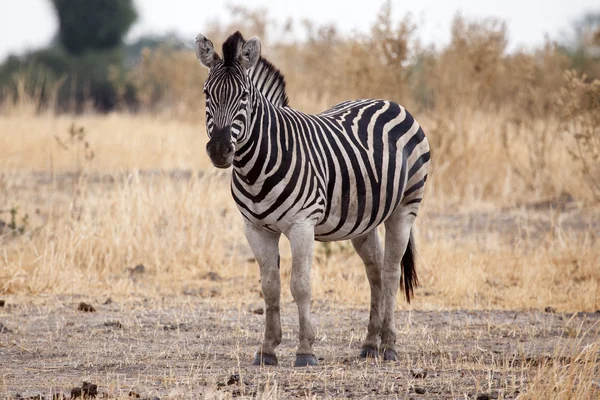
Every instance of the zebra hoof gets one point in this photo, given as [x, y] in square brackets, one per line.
[369, 352]
[264, 359]
[389, 354]
[305, 360]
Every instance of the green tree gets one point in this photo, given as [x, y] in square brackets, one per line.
[93, 24]
[582, 44]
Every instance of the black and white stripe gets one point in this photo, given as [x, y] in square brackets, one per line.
[332, 176]
[347, 168]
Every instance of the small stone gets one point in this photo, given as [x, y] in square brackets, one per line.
[35, 397]
[138, 269]
[550, 310]
[420, 390]
[418, 373]
[233, 379]
[212, 276]
[85, 307]
[89, 389]
[136, 272]
[259, 311]
[171, 326]
[4, 329]
[113, 324]
[483, 396]
[75, 392]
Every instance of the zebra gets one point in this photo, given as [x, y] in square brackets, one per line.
[332, 176]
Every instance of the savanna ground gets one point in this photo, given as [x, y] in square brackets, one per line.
[124, 212]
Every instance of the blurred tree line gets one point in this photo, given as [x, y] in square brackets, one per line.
[83, 64]
[88, 64]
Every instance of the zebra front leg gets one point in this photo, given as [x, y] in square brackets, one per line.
[369, 249]
[397, 235]
[301, 238]
[265, 246]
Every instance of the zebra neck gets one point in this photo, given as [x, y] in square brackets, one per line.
[263, 150]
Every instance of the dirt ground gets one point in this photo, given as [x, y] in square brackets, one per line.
[186, 347]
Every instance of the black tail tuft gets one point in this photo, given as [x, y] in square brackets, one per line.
[409, 272]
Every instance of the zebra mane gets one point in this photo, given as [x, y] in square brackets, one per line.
[232, 48]
[267, 79]
[270, 82]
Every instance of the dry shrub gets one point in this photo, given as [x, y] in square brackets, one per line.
[170, 82]
[334, 68]
[579, 110]
[466, 73]
[533, 82]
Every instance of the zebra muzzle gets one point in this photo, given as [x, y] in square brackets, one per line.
[220, 148]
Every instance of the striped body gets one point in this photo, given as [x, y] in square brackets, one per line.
[347, 169]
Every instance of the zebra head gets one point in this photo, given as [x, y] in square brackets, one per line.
[228, 91]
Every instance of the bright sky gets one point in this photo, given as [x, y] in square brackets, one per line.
[29, 24]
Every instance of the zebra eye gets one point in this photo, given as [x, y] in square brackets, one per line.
[244, 96]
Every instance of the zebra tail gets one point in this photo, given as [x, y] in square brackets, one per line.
[409, 271]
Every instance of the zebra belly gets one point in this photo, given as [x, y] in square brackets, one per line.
[351, 224]
[327, 232]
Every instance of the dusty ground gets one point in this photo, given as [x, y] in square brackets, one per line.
[186, 347]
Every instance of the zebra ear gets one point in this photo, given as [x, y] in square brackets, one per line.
[250, 53]
[205, 52]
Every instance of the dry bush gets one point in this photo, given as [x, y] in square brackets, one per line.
[533, 82]
[333, 68]
[467, 72]
[579, 110]
[170, 82]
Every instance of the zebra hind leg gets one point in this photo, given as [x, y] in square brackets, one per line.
[397, 236]
[370, 251]
[265, 246]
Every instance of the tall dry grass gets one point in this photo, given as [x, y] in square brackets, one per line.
[149, 196]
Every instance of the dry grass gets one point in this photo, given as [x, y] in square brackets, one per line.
[148, 196]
